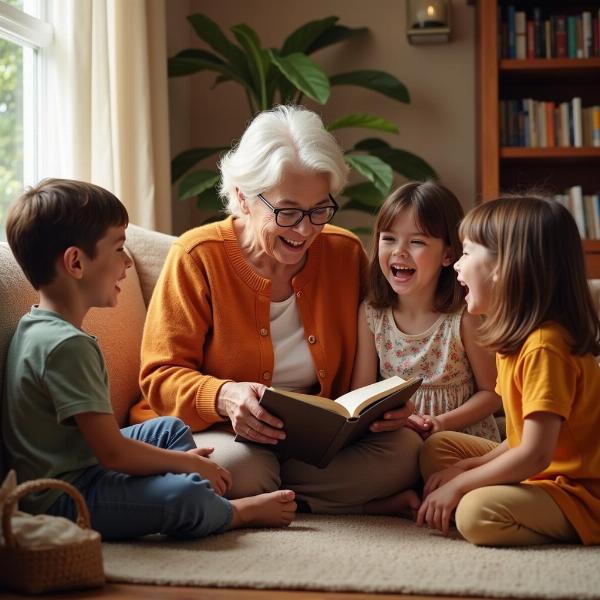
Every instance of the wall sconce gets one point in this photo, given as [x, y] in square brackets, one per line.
[428, 21]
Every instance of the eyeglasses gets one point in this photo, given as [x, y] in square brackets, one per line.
[289, 217]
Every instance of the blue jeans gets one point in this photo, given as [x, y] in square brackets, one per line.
[127, 506]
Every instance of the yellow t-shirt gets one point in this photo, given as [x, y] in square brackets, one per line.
[544, 376]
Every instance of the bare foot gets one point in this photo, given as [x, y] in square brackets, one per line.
[275, 509]
[404, 504]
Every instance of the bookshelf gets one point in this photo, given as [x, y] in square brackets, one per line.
[511, 168]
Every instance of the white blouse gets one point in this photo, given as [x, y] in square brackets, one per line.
[294, 368]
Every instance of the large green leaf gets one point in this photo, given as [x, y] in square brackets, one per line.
[209, 200]
[186, 65]
[378, 81]
[365, 121]
[371, 144]
[365, 193]
[406, 163]
[191, 61]
[356, 205]
[197, 182]
[373, 169]
[304, 36]
[257, 60]
[186, 160]
[305, 74]
[207, 30]
[179, 67]
[334, 35]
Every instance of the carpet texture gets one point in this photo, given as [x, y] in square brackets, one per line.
[361, 554]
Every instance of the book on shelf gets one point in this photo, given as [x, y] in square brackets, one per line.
[538, 124]
[318, 428]
[585, 209]
[546, 32]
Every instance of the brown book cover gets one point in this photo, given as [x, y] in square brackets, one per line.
[318, 428]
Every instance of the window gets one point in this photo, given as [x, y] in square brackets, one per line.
[22, 37]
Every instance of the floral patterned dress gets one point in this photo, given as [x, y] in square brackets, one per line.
[438, 356]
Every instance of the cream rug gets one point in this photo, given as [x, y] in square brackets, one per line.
[361, 554]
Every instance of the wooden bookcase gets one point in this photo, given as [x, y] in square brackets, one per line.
[506, 169]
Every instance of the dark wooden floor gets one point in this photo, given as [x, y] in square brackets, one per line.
[151, 592]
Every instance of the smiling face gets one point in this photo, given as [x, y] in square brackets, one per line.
[286, 245]
[410, 259]
[104, 272]
[475, 270]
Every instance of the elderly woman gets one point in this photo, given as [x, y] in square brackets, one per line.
[269, 297]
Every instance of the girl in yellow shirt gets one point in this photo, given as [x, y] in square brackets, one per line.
[523, 266]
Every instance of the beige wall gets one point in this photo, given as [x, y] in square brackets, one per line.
[438, 125]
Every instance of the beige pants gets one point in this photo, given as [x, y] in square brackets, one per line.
[377, 466]
[496, 515]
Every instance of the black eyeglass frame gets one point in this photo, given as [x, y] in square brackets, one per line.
[305, 213]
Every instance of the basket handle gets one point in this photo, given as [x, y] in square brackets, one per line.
[83, 514]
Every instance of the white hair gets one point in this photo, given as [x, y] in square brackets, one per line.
[284, 137]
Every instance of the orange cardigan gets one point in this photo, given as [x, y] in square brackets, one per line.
[208, 321]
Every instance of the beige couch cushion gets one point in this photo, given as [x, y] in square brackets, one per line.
[149, 250]
[119, 329]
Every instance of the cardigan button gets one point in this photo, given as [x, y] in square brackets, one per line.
[312, 339]
[267, 375]
[322, 373]
[264, 332]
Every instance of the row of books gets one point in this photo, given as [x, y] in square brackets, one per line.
[532, 34]
[538, 124]
[585, 209]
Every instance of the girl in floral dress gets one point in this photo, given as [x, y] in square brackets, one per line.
[413, 322]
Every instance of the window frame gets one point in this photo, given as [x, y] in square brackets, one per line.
[33, 35]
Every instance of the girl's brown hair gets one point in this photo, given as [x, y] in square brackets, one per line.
[540, 272]
[437, 213]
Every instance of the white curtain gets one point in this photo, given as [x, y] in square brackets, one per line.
[105, 116]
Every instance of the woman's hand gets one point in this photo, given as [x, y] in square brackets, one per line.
[393, 419]
[239, 402]
[219, 477]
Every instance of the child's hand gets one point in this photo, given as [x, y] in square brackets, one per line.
[424, 425]
[440, 478]
[437, 508]
[201, 451]
[433, 425]
[219, 477]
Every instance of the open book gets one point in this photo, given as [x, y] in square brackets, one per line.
[318, 428]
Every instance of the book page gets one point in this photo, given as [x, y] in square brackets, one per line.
[356, 400]
[319, 401]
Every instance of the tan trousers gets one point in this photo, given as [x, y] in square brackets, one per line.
[496, 515]
[377, 466]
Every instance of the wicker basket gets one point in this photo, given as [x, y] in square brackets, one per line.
[35, 570]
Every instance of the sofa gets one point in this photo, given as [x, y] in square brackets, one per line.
[119, 329]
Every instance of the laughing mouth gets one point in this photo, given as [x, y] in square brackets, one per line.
[293, 243]
[401, 271]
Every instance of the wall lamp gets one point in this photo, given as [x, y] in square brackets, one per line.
[428, 21]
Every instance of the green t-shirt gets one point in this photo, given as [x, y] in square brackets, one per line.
[54, 371]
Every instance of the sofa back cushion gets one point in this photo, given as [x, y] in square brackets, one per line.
[119, 329]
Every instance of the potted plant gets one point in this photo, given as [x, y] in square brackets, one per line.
[286, 75]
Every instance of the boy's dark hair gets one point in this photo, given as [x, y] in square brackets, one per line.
[437, 213]
[54, 215]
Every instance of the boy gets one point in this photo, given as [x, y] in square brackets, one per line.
[57, 417]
